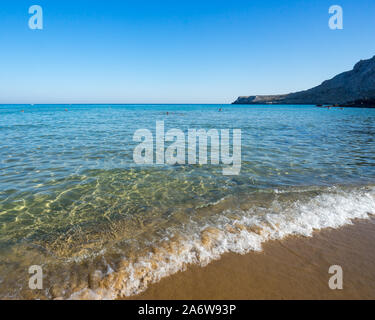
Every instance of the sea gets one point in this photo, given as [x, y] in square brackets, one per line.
[98, 225]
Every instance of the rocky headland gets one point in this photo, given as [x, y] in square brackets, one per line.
[354, 88]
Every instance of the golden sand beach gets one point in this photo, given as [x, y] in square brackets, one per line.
[293, 268]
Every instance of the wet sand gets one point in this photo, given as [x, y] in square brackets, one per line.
[294, 268]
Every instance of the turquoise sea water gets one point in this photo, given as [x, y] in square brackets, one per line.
[73, 201]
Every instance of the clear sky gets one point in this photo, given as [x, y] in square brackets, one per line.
[176, 51]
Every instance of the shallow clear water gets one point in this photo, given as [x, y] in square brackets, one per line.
[73, 200]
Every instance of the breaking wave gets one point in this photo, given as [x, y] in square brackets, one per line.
[239, 230]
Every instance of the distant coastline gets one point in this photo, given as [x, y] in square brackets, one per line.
[355, 88]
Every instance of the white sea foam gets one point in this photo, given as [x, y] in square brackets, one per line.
[208, 242]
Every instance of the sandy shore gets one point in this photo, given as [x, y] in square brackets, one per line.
[294, 268]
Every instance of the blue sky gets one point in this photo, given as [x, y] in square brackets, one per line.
[176, 51]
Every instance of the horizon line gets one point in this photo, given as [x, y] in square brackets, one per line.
[148, 103]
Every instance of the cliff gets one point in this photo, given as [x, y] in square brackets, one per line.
[345, 88]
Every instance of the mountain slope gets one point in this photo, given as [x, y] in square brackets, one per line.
[354, 85]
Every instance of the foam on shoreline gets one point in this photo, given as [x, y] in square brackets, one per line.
[239, 231]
